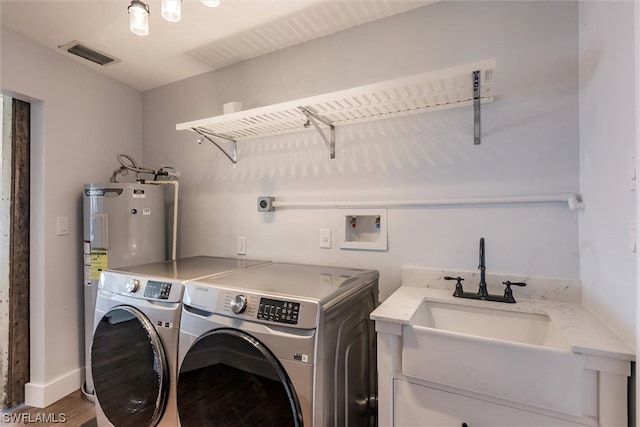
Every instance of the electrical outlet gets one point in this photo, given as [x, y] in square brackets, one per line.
[325, 238]
[265, 204]
[242, 246]
[326, 281]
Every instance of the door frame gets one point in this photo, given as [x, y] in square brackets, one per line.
[19, 248]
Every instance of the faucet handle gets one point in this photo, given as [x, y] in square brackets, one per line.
[509, 284]
[508, 293]
[459, 290]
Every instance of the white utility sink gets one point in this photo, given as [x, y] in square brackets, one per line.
[491, 323]
[517, 356]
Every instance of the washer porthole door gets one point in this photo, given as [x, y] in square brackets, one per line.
[229, 378]
[129, 368]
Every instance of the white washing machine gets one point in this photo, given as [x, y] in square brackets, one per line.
[279, 345]
[135, 342]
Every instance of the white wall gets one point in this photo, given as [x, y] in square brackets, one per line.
[607, 140]
[80, 121]
[530, 145]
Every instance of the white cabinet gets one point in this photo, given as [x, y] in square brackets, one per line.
[418, 405]
[416, 398]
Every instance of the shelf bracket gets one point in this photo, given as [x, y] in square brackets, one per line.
[233, 157]
[313, 118]
[476, 107]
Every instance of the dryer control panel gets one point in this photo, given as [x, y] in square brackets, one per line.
[242, 304]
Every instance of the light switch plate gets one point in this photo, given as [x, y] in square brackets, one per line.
[62, 225]
[325, 238]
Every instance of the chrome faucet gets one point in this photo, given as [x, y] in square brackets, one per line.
[482, 293]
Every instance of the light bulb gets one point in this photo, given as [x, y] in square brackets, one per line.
[139, 18]
[211, 3]
[171, 10]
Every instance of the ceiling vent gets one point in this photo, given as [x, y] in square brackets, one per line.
[78, 49]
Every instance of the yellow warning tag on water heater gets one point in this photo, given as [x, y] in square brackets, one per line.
[99, 262]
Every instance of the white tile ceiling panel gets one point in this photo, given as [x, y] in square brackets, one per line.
[434, 90]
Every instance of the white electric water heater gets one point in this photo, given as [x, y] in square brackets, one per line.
[124, 225]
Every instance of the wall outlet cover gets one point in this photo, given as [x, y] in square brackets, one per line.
[241, 246]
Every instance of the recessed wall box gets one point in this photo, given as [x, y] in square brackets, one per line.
[364, 229]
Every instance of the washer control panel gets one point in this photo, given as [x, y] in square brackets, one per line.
[279, 311]
[133, 285]
[136, 286]
[157, 290]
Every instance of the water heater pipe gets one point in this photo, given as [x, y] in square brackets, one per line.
[175, 214]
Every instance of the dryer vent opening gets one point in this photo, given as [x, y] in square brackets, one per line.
[78, 49]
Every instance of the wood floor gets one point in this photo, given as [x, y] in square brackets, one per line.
[71, 411]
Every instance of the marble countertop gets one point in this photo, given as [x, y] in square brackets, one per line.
[583, 330]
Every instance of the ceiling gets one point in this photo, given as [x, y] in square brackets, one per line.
[205, 39]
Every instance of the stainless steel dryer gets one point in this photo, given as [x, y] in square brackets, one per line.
[279, 345]
[135, 341]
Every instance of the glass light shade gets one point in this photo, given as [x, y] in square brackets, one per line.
[139, 18]
[171, 10]
[211, 3]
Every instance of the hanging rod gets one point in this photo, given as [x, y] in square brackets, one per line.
[233, 157]
[331, 141]
[573, 201]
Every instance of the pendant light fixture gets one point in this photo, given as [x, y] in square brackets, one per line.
[139, 18]
[171, 10]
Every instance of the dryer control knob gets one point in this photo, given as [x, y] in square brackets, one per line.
[238, 304]
[133, 285]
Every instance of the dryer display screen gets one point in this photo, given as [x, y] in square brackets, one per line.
[279, 311]
[157, 290]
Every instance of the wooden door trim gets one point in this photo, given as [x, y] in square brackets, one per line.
[19, 254]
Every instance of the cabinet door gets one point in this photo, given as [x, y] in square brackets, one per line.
[416, 405]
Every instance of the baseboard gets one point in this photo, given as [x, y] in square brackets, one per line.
[43, 395]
